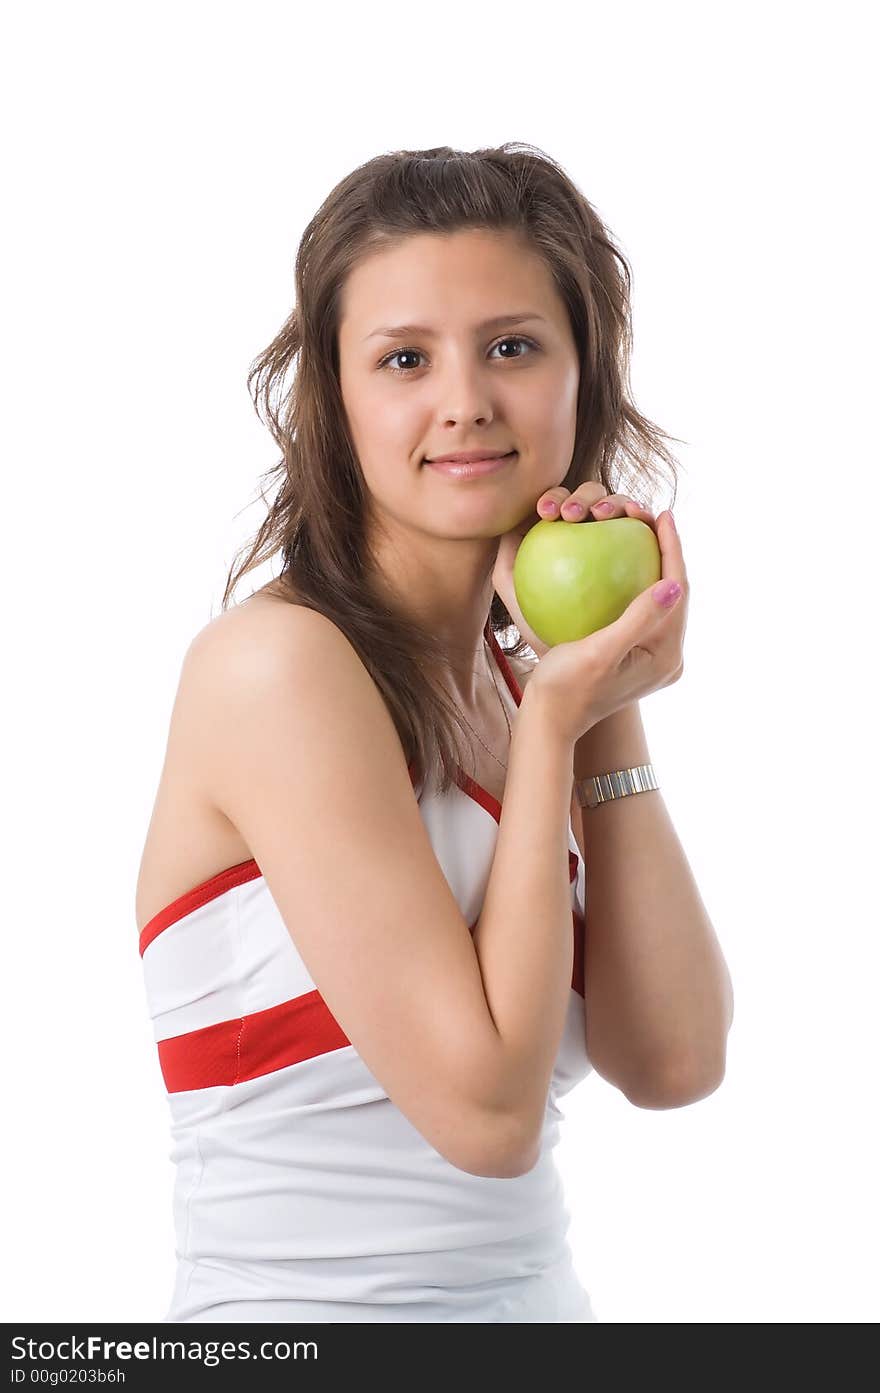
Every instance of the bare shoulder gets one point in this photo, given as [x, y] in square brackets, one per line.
[250, 643]
[264, 610]
[262, 650]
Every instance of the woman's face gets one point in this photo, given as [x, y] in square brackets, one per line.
[457, 383]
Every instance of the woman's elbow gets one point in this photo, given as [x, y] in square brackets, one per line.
[506, 1150]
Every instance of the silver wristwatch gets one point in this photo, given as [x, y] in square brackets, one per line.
[600, 788]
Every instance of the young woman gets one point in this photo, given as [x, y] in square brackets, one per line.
[362, 899]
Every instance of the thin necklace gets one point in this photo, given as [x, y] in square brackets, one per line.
[503, 708]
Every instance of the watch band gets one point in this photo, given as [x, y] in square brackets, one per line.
[601, 788]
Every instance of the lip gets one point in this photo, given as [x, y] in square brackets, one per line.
[463, 469]
[469, 456]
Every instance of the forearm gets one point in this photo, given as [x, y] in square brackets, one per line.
[524, 939]
[659, 1001]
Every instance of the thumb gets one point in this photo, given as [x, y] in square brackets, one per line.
[643, 614]
[665, 594]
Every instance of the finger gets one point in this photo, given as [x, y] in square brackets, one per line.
[554, 499]
[617, 505]
[620, 505]
[671, 550]
[640, 510]
[551, 501]
[608, 505]
[591, 498]
[643, 622]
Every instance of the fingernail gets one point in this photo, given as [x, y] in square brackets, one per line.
[666, 592]
[547, 506]
[603, 507]
[573, 509]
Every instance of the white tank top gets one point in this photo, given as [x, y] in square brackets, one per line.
[297, 1179]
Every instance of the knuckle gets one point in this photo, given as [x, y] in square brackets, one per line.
[587, 494]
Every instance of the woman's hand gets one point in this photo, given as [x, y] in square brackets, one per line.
[590, 498]
[582, 682]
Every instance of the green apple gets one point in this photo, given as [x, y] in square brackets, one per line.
[572, 578]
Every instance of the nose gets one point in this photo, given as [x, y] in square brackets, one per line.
[464, 402]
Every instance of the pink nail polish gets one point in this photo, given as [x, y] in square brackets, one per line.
[667, 592]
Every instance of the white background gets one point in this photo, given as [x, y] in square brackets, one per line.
[161, 163]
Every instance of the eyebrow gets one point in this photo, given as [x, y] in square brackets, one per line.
[397, 330]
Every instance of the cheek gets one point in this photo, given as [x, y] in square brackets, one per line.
[560, 411]
[383, 482]
[546, 465]
[549, 418]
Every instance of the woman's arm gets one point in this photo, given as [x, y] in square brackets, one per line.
[523, 937]
[659, 999]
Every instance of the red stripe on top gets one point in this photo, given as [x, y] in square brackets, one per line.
[232, 1052]
[248, 1047]
[479, 794]
[200, 894]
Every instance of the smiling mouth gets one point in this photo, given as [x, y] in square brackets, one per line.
[462, 469]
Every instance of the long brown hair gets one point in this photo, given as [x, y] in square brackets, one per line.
[514, 187]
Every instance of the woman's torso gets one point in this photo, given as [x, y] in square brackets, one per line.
[301, 1190]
